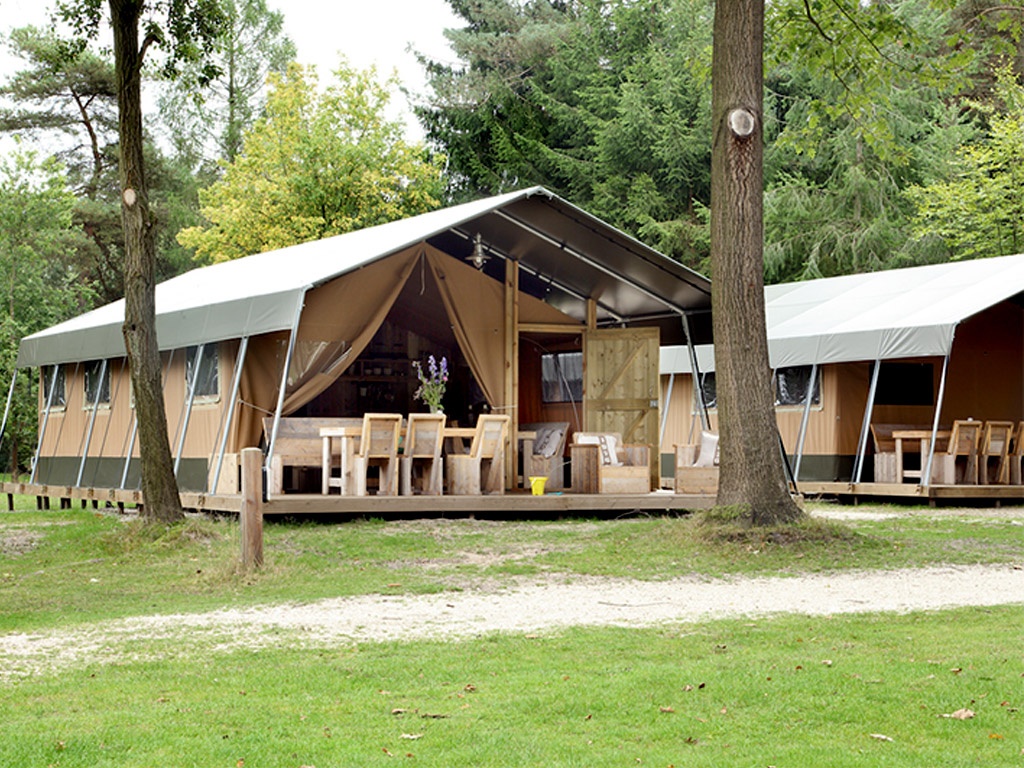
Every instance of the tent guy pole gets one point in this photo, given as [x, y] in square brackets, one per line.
[803, 420]
[7, 410]
[284, 383]
[46, 418]
[188, 408]
[235, 383]
[92, 420]
[926, 475]
[862, 444]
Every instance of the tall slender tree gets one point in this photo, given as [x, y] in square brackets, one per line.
[751, 478]
[185, 30]
[210, 125]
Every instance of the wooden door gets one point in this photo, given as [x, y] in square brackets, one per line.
[620, 387]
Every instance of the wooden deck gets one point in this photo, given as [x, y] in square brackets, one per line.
[933, 494]
[514, 502]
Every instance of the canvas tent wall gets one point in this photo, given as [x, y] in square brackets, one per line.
[310, 309]
[907, 320]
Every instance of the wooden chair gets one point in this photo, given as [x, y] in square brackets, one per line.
[482, 470]
[544, 455]
[994, 454]
[420, 465]
[1017, 454]
[601, 463]
[378, 446]
[959, 465]
[298, 445]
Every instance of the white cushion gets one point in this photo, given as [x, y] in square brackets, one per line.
[548, 439]
[707, 456]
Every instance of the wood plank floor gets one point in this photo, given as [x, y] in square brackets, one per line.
[514, 502]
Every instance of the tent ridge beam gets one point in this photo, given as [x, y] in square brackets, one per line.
[588, 260]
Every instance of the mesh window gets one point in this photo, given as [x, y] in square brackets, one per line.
[96, 390]
[207, 385]
[562, 377]
[791, 386]
[59, 398]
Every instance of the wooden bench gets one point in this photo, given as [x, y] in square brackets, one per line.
[590, 474]
[298, 443]
[887, 464]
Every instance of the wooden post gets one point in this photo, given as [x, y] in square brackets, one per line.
[251, 512]
[512, 367]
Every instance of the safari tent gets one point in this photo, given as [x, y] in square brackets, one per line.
[923, 346]
[543, 312]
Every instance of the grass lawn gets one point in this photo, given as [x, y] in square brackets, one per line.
[843, 691]
[788, 691]
[60, 568]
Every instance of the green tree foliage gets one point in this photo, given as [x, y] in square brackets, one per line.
[57, 96]
[252, 45]
[980, 211]
[39, 290]
[318, 164]
[605, 103]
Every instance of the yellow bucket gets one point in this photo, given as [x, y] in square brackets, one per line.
[537, 485]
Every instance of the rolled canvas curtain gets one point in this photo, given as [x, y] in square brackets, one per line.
[476, 308]
[338, 320]
[475, 304]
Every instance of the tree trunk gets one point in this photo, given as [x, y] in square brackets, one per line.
[751, 474]
[159, 488]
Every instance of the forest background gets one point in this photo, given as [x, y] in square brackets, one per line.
[894, 137]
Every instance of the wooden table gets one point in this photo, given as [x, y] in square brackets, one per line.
[925, 438]
[347, 436]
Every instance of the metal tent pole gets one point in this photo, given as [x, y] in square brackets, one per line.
[188, 407]
[235, 383]
[113, 405]
[7, 410]
[46, 419]
[668, 401]
[284, 384]
[702, 411]
[92, 420]
[862, 444]
[804, 419]
[926, 475]
[135, 423]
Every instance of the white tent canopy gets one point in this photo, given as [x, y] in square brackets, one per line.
[874, 316]
[571, 254]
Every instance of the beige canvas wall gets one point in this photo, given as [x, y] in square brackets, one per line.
[67, 427]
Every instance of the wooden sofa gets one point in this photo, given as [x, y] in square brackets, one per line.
[544, 454]
[696, 469]
[593, 470]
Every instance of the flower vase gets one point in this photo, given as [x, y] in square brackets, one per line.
[436, 409]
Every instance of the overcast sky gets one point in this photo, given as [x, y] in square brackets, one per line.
[366, 31]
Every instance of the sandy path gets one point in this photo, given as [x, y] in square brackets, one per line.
[534, 608]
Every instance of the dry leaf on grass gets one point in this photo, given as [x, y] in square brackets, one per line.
[666, 709]
[412, 735]
[960, 714]
[880, 736]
